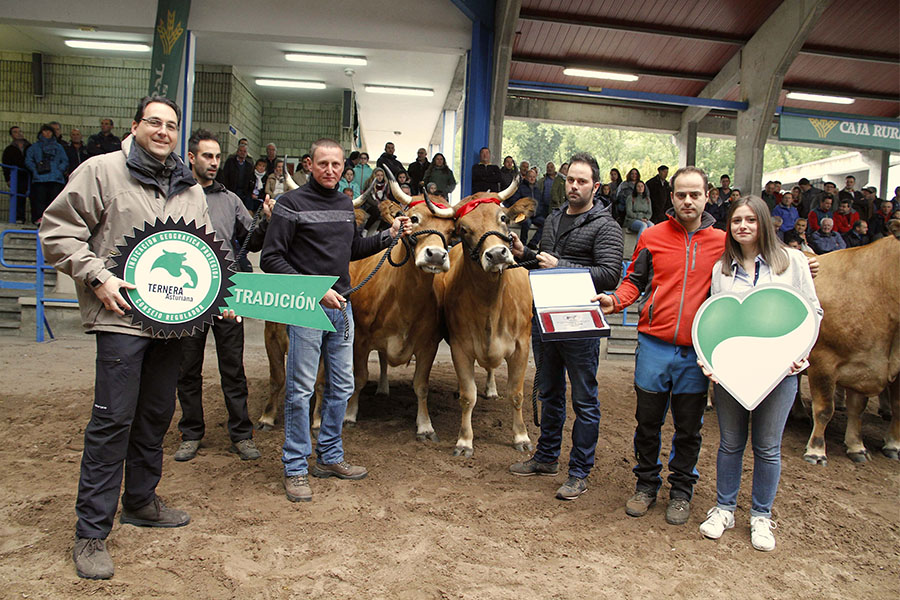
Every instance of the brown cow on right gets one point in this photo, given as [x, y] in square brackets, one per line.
[859, 343]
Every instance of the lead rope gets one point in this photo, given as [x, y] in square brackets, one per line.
[408, 243]
[243, 251]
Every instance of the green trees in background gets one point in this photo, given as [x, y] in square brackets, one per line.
[539, 143]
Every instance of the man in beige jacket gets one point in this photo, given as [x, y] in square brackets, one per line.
[106, 197]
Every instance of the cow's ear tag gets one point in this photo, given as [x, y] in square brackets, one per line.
[519, 218]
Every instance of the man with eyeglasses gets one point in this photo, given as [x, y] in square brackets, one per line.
[106, 198]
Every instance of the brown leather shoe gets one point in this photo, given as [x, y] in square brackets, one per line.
[92, 561]
[341, 470]
[155, 514]
[296, 488]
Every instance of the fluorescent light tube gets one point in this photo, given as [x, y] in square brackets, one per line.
[820, 98]
[402, 91]
[102, 45]
[599, 74]
[291, 83]
[328, 59]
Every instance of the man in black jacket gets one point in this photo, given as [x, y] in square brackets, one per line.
[237, 176]
[485, 176]
[14, 155]
[389, 161]
[417, 170]
[660, 192]
[582, 234]
[103, 142]
[312, 232]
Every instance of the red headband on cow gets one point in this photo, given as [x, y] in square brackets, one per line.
[471, 204]
[418, 202]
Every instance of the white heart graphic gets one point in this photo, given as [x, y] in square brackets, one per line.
[750, 367]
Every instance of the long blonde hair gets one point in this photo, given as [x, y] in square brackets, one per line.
[769, 246]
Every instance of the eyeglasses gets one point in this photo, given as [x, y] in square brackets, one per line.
[155, 123]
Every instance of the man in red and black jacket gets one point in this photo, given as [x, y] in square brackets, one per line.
[672, 266]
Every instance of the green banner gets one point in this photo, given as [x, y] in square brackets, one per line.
[840, 130]
[290, 299]
[168, 46]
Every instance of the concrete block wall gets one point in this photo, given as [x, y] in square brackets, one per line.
[294, 126]
[212, 94]
[246, 114]
[79, 91]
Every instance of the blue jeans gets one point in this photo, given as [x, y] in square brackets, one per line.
[638, 227]
[580, 358]
[305, 347]
[663, 367]
[768, 419]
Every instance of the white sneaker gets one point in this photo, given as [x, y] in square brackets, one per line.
[761, 533]
[717, 521]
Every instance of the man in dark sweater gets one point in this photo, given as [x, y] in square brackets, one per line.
[582, 234]
[388, 160]
[659, 190]
[237, 176]
[313, 232]
[485, 176]
[417, 170]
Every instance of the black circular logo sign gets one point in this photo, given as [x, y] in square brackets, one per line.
[181, 274]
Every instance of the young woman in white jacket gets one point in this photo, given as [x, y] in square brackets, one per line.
[754, 256]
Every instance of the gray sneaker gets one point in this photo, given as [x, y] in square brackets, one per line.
[533, 467]
[296, 488]
[571, 489]
[678, 511]
[246, 449]
[92, 561]
[639, 504]
[155, 514]
[187, 450]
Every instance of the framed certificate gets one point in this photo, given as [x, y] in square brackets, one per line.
[562, 302]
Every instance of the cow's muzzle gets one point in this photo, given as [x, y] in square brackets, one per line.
[433, 259]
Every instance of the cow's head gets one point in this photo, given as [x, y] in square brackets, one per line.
[427, 214]
[482, 223]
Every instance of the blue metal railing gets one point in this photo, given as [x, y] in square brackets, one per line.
[38, 267]
[14, 174]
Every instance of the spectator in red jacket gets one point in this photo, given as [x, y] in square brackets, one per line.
[845, 217]
[824, 210]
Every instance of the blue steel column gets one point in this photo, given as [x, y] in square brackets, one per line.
[477, 115]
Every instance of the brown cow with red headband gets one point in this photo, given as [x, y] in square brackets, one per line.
[486, 306]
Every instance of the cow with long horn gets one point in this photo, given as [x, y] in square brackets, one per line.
[487, 306]
[396, 313]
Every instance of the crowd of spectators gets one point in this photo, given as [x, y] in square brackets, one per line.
[815, 220]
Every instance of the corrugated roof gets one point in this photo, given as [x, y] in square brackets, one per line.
[676, 47]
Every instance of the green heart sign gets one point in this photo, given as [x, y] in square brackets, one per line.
[748, 341]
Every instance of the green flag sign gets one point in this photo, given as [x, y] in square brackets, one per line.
[168, 46]
[290, 299]
[838, 130]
